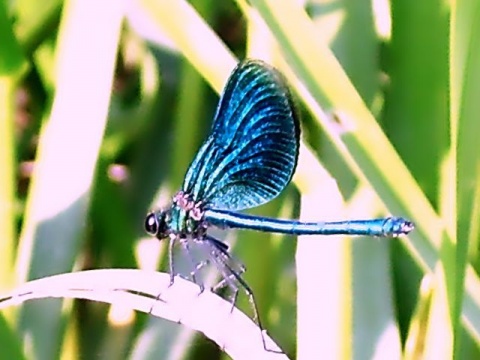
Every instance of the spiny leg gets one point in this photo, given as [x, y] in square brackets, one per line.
[253, 303]
[224, 257]
[194, 267]
[199, 266]
[231, 277]
[171, 260]
[171, 243]
[226, 281]
[171, 266]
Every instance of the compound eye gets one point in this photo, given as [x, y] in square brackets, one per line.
[151, 224]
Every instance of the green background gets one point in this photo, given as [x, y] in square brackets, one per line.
[104, 104]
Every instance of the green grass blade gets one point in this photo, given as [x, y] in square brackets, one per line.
[66, 157]
[465, 67]
[11, 64]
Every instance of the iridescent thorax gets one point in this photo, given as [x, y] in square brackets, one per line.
[182, 219]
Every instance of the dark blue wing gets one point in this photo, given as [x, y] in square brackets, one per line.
[252, 151]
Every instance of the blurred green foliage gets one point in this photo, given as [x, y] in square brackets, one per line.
[103, 105]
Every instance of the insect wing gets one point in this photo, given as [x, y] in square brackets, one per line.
[252, 151]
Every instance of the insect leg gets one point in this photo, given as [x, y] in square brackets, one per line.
[231, 270]
[171, 243]
[171, 265]
[194, 267]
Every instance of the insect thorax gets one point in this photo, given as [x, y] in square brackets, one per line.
[185, 216]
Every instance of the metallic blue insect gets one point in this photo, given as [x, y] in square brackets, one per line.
[247, 160]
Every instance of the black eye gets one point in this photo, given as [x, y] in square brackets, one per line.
[151, 224]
